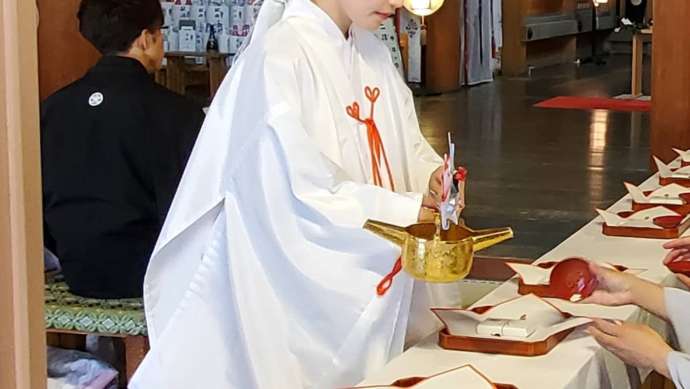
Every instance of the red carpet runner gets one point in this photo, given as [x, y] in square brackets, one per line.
[587, 103]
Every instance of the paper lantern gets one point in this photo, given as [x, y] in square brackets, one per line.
[423, 7]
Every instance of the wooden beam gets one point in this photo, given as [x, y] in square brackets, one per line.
[22, 332]
[670, 78]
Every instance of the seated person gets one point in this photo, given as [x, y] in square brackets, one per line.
[114, 146]
[639, 345]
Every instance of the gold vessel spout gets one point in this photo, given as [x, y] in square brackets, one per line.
[435, 255]
[394, 234]
[483, 239]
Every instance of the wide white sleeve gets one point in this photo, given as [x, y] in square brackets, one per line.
[679, 362]
[677, 302]
[316, 179]
[679, 367]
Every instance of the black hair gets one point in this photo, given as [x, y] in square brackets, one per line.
[113, 25]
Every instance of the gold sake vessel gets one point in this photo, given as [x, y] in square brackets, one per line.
[432, 254]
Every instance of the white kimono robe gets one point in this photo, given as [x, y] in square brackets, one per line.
[263, 276]
[679, 362]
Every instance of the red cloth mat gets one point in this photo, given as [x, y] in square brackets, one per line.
[587, 103]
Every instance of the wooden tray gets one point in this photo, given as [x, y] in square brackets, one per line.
[680, 181]
[543, 291]
[412, 381]
[680, 209]
[647, 233]
[500, 346]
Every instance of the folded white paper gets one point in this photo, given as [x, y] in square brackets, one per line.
[665, 171]
[641, 219]
[684, 155]
[667, 195]
[532, 274]
[540, 318]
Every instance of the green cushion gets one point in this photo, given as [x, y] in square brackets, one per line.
[65, 311]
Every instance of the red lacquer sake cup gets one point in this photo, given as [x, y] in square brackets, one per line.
[571, 277]
[680, 267]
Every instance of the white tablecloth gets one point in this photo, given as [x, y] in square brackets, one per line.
[577, 362]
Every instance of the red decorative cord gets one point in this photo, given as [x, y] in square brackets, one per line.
[376, 150]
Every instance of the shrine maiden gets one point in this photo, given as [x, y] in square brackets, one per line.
[263, 276]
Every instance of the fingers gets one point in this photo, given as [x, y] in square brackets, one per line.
[684, 279]
[597, 297]
[604, 339]
[602, 274]
[608, 327]
[678, 243]
[677, 255]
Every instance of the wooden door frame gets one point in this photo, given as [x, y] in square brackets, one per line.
[22, 329]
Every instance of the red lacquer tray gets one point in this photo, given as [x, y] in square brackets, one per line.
[683, 209]
[672, 228]
[671, 180]
[500, 346]
[411, 382]
[503, 346]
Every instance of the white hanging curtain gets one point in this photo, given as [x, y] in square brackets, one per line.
[479, 41]
[497, 32]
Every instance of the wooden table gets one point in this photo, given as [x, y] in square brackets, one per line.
[638, 61]
[175, 70]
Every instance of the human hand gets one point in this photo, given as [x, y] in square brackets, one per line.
[684, 279]
[634, 344]
[435, 195]
[680, 250]
[614, 288]
[426, 215]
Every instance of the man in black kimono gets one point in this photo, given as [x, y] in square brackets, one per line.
[114, 147]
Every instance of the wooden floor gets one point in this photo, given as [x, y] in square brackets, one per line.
[541, 171]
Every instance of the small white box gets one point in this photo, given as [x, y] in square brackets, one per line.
[168, 19]
[180, 12]
[173, 41]
[223, 43]
[519, 329]
[199, 15]
[491, 327]
[506, 328]
[187, 39]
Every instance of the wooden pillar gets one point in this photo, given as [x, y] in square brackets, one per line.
[514, 54]
[22, 329]
[442, 53]
[670, 78]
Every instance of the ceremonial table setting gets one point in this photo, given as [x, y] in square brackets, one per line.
[529, 332]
